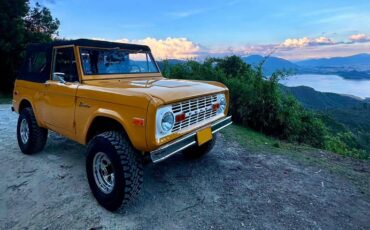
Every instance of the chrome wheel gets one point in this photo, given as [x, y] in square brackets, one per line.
[24, 131]
[103, 172]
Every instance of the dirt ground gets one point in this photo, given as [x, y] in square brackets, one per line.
[233, 187]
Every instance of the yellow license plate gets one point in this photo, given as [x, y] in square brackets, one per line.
[204, 135]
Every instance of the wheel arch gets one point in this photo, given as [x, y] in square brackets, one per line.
[104, 119]
[27, 103]
[104, 122]
[24, 103]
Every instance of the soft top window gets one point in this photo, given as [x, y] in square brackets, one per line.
[36, 62]
[97, 61]
[65, 65]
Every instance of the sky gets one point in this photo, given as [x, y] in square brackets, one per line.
[289, 29]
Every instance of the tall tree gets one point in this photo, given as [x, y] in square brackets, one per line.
[40, 25]
[20, 25]
[12, 13]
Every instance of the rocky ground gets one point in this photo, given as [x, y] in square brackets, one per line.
[234, 187]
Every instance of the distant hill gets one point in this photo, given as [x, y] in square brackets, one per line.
[358, 62]
[340, 113]
[313, 99]
[271, 65]
[170, 62]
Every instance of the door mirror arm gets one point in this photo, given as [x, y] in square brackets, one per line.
[60, 77]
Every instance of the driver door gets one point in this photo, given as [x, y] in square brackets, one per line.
[59, 110]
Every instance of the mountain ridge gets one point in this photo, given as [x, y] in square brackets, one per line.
[359, 61]
[316, 100]
[271, 64]
[355, 67]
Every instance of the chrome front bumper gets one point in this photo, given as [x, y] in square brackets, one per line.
[182, 143]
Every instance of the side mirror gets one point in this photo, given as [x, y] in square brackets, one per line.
[60, 76]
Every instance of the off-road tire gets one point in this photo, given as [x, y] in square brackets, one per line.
[37, 135]
[127, 167]
[196, 151]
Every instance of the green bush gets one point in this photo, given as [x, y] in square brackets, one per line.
[255, 101]
[352, 141]
[342, 143]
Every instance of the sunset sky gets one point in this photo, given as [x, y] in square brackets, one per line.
[196, 29]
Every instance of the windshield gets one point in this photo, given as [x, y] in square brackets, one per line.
[97, 61]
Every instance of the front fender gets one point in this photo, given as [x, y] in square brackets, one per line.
[120, 113]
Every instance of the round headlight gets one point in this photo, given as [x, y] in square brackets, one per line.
[167, 121]
[222, 100]
[222, 104]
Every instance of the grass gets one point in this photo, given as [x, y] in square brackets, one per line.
[307, 156]
[247, 136]
[5, 99]
[258, 141]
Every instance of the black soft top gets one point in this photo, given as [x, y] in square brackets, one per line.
[45, 49]
[91, 43]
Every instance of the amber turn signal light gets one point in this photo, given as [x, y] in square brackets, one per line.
[138, 121]
[180, 117]
[216, 106]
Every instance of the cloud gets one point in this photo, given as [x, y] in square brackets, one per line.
[298, 48]
[180, 48]
[122, 40]
[322, 41]
[239, 50]
[296, 42]
[359, 38]
[305, 41]
[177, 48]
[291, 48]
[337, 50]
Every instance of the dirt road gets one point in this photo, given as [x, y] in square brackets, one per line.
[233, 187]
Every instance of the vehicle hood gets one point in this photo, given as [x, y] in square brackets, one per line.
[167, 90]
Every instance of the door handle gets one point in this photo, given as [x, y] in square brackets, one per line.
[84, 105]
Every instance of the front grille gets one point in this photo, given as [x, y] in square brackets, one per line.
[195, 110]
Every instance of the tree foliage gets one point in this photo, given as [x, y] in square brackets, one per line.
[255, 101]
[343, 143]
[12, 34]
[40, 25]
[20, 25]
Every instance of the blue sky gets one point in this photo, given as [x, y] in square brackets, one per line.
[292, 29]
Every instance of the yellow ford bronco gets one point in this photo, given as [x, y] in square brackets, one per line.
[113, 98]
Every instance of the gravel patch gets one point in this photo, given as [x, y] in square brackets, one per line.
[230, 188]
